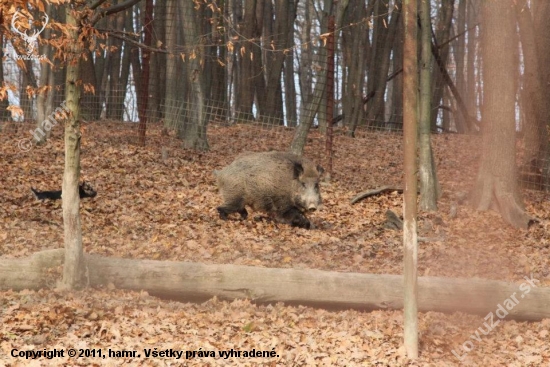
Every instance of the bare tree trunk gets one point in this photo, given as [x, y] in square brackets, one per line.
[410, 131]
[245, 91]
[171, 95]
[195, 134]
[271, 105]
[396, 118]
[375, 112]
[143, 95]
[470, 96]
[115, 105]
[290, 87]
[72, 269]
[218, 92]
[445, 15]
[25, 101]
[355, 43]
[536, 160]
[459, 60]
[300, 135]
[157, 75]
[428, 174]
[45, 89]
[305, 72]
[5, 115]
[496, 186]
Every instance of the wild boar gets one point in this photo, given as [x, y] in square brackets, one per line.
[281, 184]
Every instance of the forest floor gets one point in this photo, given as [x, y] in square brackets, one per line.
[159, 202]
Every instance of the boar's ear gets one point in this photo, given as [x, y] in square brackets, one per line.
[298, 170]
[320, 170]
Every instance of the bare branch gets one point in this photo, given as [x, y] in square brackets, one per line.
[111, 10]
[96, 4]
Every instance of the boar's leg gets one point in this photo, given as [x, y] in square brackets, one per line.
[232, 207]
[296, 218]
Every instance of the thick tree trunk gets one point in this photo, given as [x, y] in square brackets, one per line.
[496, 186]
[195, 133]
[187, 281]
[73, 268]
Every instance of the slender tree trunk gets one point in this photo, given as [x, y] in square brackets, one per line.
[5, 115]
[377, 105]
[459, 60]
[45, 89]
[117, 91]
[157, 74]
[274, 61]
[536, 160]
[396, 118]
[355, 42]
[305, 72]
[441, 35]
[428, 174]
[471, 64]
[72, 270]
[300, 135]
[496, 186]
[410, 125]
[170, 102]
[143, 96]
[328, 10]
[245, 90]
[290, 85]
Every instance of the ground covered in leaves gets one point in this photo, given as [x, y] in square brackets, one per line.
[158, 202]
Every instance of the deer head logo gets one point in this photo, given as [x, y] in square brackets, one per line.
[30, 40]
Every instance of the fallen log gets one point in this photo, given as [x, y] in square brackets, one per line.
[196, 282]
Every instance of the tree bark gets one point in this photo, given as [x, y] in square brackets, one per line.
[117, 91]
[72, 269]
[496, 186]
[376, 110]
[533, 103]
[196, 282]
[355, 43]
[171, 97]
[195, 133]
[428, 174]
[410, 133]
[459, 59]
[245, 91]
[300, 135]
[442, 35]
[288, 72]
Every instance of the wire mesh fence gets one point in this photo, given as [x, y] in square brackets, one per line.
[265, 64]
